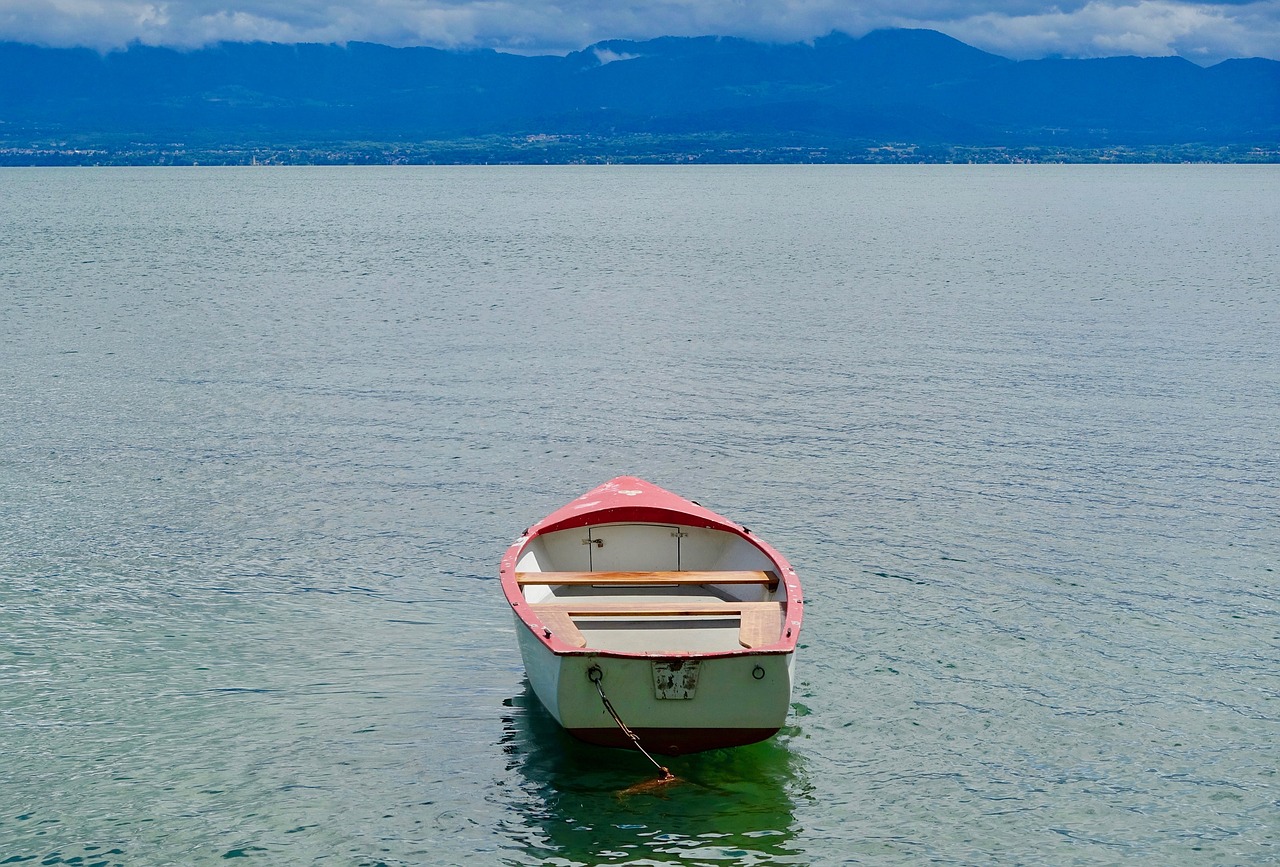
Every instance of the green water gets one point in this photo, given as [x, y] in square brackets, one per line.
[265, 433]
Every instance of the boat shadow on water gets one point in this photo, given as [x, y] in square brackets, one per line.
[593, 804]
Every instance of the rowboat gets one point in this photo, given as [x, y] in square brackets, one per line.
[646, 619]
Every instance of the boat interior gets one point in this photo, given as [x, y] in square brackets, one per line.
[652, 588]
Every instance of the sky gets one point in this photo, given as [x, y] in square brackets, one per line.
[1202, 32]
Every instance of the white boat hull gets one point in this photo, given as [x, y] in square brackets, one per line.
[686, 621]
[737, 700]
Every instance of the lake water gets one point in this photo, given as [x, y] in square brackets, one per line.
[264, 434]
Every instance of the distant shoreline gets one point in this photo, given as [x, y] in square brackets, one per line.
[683, 151]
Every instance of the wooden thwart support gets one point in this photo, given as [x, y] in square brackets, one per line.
[735, 576]
[563, 627]
[759, 622]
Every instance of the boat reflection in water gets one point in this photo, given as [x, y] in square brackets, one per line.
[580, 803]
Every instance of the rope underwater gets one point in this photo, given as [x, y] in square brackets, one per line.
[595, 675]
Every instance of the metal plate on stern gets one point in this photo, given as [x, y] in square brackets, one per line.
[675, 679]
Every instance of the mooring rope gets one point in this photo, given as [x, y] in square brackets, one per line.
[595, 675]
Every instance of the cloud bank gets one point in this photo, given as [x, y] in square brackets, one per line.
[1200, 31]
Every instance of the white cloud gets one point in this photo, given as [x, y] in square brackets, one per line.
[605, 56]
[1146, 28]
[1018, 28]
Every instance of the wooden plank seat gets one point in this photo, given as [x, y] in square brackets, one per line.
[657, 579]
[760, 623]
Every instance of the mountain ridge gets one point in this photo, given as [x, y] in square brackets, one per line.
[908, 88]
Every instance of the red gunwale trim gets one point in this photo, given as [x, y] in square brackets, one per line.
[627, 499]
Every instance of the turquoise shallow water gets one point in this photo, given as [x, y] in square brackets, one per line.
[265, 434]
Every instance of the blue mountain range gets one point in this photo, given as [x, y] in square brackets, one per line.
[906, 86]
